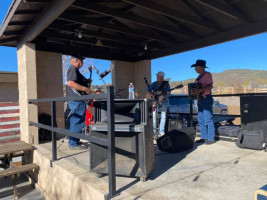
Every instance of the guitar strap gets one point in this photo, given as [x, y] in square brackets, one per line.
[76, 92]
[199, 77]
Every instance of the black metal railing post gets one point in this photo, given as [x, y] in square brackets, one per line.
[53, 124]
[111, 142]
[191, 113]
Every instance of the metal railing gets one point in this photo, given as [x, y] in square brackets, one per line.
[109, 142]
[223, 95]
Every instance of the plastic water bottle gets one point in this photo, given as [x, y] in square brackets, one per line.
[131, 91]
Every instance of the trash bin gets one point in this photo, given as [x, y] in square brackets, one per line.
[134, 146]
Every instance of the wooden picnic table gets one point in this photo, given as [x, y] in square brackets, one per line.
[8, 150]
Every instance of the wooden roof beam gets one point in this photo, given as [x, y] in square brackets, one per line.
[93, 41]
[161, 9]
[223, 9]
[20, 23]
[98, 34]
[9, 33]
[84, 5]
[43, 20]
[196, 11]
[116, 28]
[27, 12]
[8, 40]
[84, 51]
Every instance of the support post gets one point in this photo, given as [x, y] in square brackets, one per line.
[53, 123]
[111, 142]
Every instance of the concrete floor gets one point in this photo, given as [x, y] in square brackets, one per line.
[220, 171]
[25, 190]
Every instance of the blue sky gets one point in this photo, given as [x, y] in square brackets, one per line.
[245, 53]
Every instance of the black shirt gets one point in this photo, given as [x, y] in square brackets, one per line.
[73, 74]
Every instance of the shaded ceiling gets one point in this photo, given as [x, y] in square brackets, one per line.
[130, 30]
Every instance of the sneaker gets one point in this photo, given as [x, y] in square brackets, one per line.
[78, 147]
[200, 141]
[210, 142]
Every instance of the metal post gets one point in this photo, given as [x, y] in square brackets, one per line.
[111, 142]
[53, 123]
[191, 112]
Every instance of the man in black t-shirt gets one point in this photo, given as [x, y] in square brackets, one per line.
[77, 85]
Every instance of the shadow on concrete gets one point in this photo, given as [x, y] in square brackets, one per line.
[164, 161]
[25, 189]
[128, 185]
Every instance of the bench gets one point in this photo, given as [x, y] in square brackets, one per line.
[14, 171]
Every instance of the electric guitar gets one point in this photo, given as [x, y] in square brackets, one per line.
[159, 94]
[90, 68]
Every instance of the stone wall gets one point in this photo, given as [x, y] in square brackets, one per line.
[50, 83]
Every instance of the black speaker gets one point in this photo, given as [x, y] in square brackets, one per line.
[172, 124]
[177, 140]
[253, 113]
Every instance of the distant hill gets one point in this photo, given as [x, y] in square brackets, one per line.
[235, 78]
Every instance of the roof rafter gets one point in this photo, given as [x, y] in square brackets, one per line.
[20, 23]
[8, 40]
[158, 8]
[116, 28]
[237, 32]
[195, 10]
[92, 41]
[223, 9]
[27, 12]
[98, 34]
[8, 33]
[129, 17]
[50, 13]
[84, 51]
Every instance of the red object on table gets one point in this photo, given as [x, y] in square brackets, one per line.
[89, 117]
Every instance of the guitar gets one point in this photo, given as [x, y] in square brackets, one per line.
[90, 68]
[159, 94]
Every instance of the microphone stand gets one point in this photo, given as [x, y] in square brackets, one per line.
[98, 72]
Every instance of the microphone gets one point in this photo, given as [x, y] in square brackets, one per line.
[106, 72]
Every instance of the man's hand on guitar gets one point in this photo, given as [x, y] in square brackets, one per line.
[195, 91]
[88, 91]
[152, 95]
[89, 80]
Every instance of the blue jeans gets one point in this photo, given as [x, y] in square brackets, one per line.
[76, 120]
[205, 118]
[162, 107]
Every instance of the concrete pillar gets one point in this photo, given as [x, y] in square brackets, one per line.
[186, 89]
[50, 83]
[125, 73]
[141, 69]
[233, 90]
[219, 90]
[27, 90]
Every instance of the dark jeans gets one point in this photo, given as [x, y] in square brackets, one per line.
[205, 118]
[77, 119]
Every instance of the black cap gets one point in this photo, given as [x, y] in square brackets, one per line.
[77, 56]
[201, 63]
